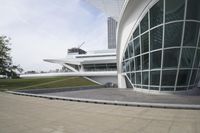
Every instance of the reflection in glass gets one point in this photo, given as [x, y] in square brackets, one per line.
[197, 59]
[168, 77]
[155, 77]
[171, 57]
[156, 38]
[167, 88]
[173, 34]
[133, 78]
[193, 76]
[155, 59]
[183, 77]
[193, 9]
[138, 78]
[137, 46]
[144, 23]
[145, 78]
[136, 33]
[145, 61]
[145, 42]
[191, 33]
[132, 64]
[137, 63]
[130, 45]
[156, 14]
[174, 10]
[187, 57]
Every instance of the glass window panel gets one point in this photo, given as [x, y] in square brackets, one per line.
[167, 88]
[171, 58]
[187, 57]
[145, 78]
[132, 64]
[156, 38]
[197, 59]
[154, 88]
[129, 76]
[174, 10]
[126, 53]
[130, 49]
[136, 32]
[133, 78]
[168, 77]
[173, 34]
[156, 14]
[128, 84]
[191, 87]
[138, 86]
[124, 67]
[137, 63]
[144, 24]
[181, 88]
[155, 77]
[145, 61]
[183, 77]
[155, 59]
[137, 46]
[138, 78]
[145, 42]
[193, 77]
[127, 63]
[191, 33]
[193, 9]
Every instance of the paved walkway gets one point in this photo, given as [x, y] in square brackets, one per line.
[115, 94]
[22, 114]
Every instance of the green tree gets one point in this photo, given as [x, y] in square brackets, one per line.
[6, 66]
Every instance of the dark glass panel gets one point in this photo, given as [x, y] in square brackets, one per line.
[197, 59]
[126, 54]
[155, 59]
[181, 88]
[133, 78]
[144, 24]
[187, 57]
[137, 46]
[145, 42]
[167, 89]
[154, 88]
[190, 87]
[156, 38]
[130, 45]
[193, 9]
[156, 14]
[171, 58]
[127, 63]
[168, 77]
[145, 61]
[145, 78]
[137, 63]
[136, 32]
[155, 77]
[138, 78]
[144, 87]
[193, 77]
[132, 64]
[191, 33]
[128, 84]
[183, 77]
[173, 34]
[138, 86]
[174, 10]
[124, 67]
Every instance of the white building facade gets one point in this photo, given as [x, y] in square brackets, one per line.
[158, 45]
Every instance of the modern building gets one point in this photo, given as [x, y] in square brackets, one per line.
[98, 66]
[158, 45]
[112, 27]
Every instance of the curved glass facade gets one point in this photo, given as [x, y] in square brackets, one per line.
[164, 50]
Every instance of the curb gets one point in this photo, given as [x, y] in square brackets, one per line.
[121, 103]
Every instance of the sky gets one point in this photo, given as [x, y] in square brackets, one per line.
[45, 29]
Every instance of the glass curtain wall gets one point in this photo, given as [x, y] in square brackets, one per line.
[164, 50]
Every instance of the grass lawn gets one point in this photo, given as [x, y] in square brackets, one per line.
[47, 82]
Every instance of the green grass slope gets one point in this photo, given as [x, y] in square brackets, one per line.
[47, 82]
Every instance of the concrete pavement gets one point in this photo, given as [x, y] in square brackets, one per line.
[36, 115]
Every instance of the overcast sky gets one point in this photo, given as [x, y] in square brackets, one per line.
[42, 29]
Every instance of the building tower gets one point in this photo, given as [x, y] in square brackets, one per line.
[112, 26]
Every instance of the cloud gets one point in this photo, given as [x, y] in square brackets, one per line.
[46, 29]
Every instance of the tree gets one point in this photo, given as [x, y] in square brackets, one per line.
[6, 66]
